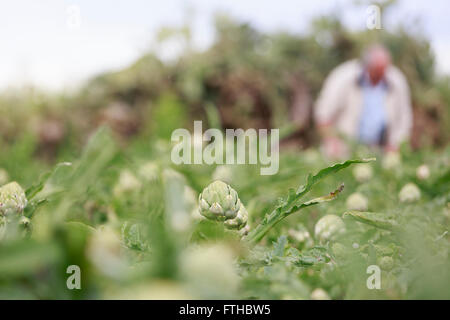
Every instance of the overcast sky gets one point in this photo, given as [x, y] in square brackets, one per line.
[43, 43]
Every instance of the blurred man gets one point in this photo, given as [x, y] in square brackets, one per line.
[367, 101]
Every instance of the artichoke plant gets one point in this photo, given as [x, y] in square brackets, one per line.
[12, 203]
[357, 201]
[423, 172]
[219, 201]
[320, 294]
[329, 227]
[391, 160]
[12, 199]
[386, 263]
[363, 172]
[409, 193]
[127, 183]
[239, 221]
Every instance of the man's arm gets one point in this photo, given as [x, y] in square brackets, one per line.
[404, 120]
[328, 105]
[330, 100]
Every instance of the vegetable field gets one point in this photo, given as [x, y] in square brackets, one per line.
[93, 207]
[139, 227]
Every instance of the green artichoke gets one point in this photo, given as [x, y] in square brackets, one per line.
[320, 294]
[240, 221]
[219, 201]
[358, 202]
[12, 199]
[127, 183]
[409, 193]
[329, 227]
[386, 263]
[363, 172]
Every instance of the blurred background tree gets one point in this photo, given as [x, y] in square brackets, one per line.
[252, 79]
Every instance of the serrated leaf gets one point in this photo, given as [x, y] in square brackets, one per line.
[311, 180]
[50, 183]
[326, 198]
[292, 202]
[59, 172]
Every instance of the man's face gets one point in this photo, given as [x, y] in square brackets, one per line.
[379, 60]
[376, 72]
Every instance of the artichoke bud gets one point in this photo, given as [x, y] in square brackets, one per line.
[127, 183]
[356, 201]
[363, 172]
[12, 199]
[386, 263]
[329, 227]
[391, 160]
[409, 193]
[240, 221]
[244, 231]
[320, 294]
[219, 201]
[423, 172]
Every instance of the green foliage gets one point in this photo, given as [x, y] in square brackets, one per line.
[151, 237]
[292, 204]
[111, 202]
[168, 115]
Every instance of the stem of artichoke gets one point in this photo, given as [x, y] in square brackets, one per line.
[261, 230]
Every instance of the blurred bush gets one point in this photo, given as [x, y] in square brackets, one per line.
[251, 79]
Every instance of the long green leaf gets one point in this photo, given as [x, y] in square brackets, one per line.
[375, 219]
[58, 174]
[311, 180]
[292, 202]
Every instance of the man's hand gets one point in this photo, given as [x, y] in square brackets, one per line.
[390, 148]
[334, 148]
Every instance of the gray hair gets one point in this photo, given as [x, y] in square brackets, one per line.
[372, 51]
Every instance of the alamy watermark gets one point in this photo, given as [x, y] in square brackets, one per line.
[73, 21]
[74, 280]
[374, 280]
[373, 20]
[237, 147]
